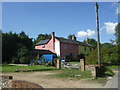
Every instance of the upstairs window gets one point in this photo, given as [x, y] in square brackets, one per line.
[43, 46]
[65, 46]
[74, 47]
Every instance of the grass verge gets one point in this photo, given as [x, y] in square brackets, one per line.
[8, 68]
[75, 62]
[113, 67]
[72, 74]
[109, 70]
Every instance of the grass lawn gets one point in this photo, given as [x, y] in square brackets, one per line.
[8, 68]
[113, 67]
[75, 62]
[72, 74]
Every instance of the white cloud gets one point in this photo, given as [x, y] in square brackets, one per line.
[87, 33]
[117, 10]
[109, 27]
[114, 4]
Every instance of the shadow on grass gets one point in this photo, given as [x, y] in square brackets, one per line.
[35, 70]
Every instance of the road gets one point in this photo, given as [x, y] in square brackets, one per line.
[113, 82]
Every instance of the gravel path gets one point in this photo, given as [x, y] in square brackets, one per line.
[45, 81]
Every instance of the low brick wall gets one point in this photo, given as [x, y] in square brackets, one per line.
[4, 81]
[90, 67]
[6, 77]
[58, 65]
[95, 70]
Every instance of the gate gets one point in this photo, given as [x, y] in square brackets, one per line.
[69, 65]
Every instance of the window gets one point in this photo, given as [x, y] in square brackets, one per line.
[90, 49]
[74, 54]
[85, 48]
[65, 46]
[74, 47]
[64, 54]
[43, 46]
[71, 54]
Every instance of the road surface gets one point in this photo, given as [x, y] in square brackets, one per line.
[113, 82]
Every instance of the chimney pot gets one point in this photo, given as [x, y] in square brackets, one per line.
[73, 37]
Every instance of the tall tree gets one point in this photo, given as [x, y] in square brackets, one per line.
[69, 36]
[10, 45]
[108, 45]
[0, 45]
[23, 38]
[23, 55]
[117, 32]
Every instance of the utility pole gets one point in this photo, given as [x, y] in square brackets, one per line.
[98, 35]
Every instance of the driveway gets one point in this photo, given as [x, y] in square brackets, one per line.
[44, 79]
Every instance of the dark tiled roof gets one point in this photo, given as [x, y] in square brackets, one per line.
[43, 42]
[61, 39]
[84, 44]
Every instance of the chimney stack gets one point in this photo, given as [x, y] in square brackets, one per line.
[53, 34]
[73, 37]
[53, 38]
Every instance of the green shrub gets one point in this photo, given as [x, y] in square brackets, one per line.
[14, 60]
[108, 55]
[108, 72]
[82, 56]
[48, 63]
[114, 58]
[92, 58]
[55, 61]
[43, 61]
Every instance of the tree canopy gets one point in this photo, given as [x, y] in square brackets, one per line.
[69, 36]
[108, 55]
[12, 42]
[117, 32]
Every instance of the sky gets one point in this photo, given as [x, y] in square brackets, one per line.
[64, 18]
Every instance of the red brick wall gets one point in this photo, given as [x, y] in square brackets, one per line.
[70, 48]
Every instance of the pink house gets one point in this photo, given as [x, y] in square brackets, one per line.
[60, 46]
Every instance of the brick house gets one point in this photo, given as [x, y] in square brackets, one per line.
[61, 46]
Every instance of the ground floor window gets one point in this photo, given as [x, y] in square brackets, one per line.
[85, 48]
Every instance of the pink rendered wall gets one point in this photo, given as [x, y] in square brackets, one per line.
[48, 46]
[70, 48]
